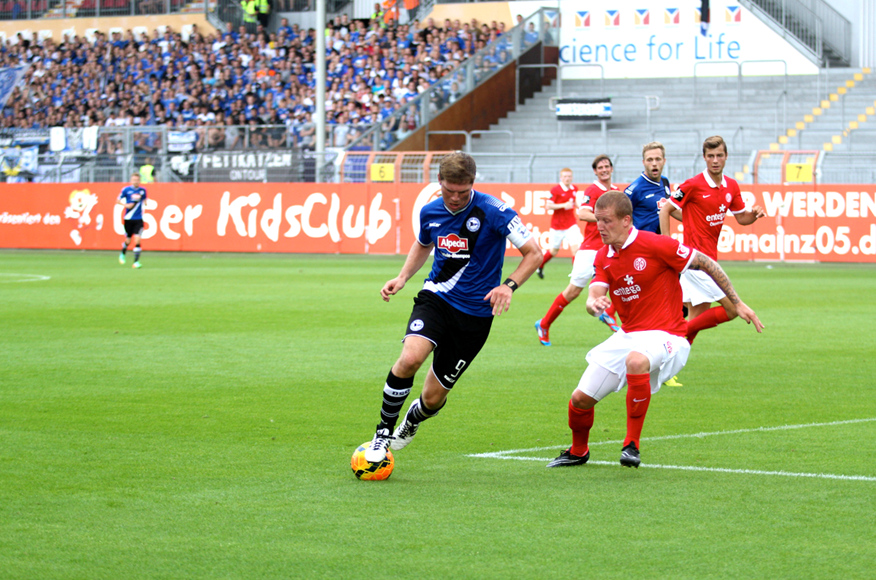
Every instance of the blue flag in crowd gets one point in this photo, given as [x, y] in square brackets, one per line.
[9, 77]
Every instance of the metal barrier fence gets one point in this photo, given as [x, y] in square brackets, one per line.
[285, 165]
[265, 166]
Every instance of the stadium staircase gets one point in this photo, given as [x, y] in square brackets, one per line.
[813, 23]
[751, 113]
[842, 127]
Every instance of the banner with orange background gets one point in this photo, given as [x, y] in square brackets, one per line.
[828, 223]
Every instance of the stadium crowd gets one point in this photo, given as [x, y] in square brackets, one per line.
[216, 83]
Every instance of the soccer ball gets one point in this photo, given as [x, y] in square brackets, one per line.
[371, 471]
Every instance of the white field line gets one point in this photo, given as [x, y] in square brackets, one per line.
[24, 278]
[512, 453]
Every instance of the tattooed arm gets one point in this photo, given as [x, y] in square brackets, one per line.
[711, 267]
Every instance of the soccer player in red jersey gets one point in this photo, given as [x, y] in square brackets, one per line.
[640, 270]
[564, 222]
[582, 267]
[704, 201]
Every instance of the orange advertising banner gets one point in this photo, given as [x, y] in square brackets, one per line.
[825, 223]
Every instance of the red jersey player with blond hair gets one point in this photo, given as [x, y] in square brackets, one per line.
[704, 201]
[564, 222]
[639, 270]
[582, 267]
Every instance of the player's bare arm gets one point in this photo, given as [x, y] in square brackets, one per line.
[417, 256]
[565, 205]
[750, 216]
[665, 212]
[597, 299]
[585, 214]
[711, 267]
[500, 296]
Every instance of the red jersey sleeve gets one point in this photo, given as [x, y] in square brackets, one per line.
[737, 204]
[599, 265]
[680, 196]
[675, 254]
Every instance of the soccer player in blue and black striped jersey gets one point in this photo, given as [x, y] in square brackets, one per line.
[133, 197]
[453, 312]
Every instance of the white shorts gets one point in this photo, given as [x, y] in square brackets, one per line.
[607, 362]
[697, 287]
[582, 268]
[572, 236]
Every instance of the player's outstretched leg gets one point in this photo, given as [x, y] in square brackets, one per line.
[395, 391]
[708, 319]
[638, 400]
[376, 451]
[543, 336]
[609, 321]
[417, 413]
[580, 422]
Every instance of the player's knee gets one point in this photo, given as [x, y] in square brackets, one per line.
[582, 401]
[434, 400]
[407, 365]
[638, 363]
[571, 292]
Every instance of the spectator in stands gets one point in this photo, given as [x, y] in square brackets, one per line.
[307, 132]
[234, 137]
[274, 133]
[455, 93]
[216, 134]
[256, 134]
[132, 79]
[531, 36]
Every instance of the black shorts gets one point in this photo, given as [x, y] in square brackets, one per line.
[133, 227]
[458, 337]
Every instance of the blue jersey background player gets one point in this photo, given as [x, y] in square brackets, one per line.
[453, 312]
[650, 190]
[133, 198]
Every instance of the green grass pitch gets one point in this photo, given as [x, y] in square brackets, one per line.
[195, 419]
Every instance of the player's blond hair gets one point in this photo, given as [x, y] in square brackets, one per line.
[653, 145]
[615, 201]
[458, 168]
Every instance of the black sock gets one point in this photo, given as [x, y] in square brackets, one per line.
[137, 253]
[395, 391]
[124, 248]
[421, 412]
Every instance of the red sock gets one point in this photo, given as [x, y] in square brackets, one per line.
[555, 310]
[580, 422]
[708, 319]
[546, 258]
[638, 398]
